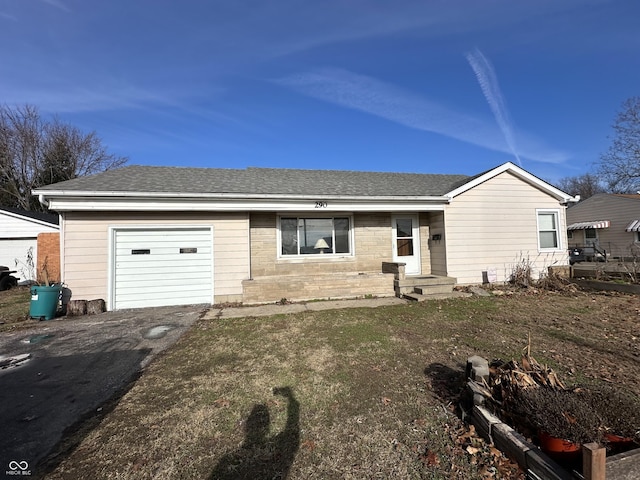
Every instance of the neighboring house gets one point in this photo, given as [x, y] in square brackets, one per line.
[610, 221]
[144, 236]
[19, 230]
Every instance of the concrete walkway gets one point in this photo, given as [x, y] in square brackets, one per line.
[276, 309]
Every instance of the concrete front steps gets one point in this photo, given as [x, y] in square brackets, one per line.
[425, 287]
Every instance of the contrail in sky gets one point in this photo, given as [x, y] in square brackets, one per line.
[488, 81]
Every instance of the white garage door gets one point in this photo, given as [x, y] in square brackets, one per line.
[158, 267]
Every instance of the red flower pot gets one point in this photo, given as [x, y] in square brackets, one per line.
[558, 448]
[618, 444]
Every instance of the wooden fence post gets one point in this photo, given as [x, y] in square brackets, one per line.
[594, 458]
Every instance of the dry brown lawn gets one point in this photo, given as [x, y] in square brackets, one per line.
[361, 393]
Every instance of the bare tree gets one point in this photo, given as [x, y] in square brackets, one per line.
[585, 185]
[35, 152]
[620, 165]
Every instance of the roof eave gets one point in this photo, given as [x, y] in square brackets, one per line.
[76, 194]
[30, 219]
[242, 203]
[563, 197]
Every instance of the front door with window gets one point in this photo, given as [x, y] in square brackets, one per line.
[406, 242]
[590, 237]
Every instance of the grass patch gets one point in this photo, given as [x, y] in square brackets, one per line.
[354, 393]
[14, 308]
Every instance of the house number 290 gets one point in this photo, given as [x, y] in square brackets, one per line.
[321, 205]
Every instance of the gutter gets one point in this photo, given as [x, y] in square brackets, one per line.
[42, 200]
[231, 196]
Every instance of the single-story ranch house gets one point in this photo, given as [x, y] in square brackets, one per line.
[149, 236]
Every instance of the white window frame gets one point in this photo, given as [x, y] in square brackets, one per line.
[556, 214]
[318, 256]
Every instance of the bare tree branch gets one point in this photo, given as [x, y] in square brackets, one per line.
[585, 185]
[35, 152]
[620, 165]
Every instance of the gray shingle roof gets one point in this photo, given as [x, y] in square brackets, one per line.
[51, 218]
[266, 181]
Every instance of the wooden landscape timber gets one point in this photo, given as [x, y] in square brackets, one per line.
[493, 400]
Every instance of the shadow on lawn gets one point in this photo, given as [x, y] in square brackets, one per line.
[261, 456]
[446, 382]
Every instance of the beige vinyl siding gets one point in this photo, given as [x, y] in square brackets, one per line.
[85, 246]
[493, 226]
[619, 210]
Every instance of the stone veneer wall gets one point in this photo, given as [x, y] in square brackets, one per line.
[372, 239]
[316, 277]
[310, 287]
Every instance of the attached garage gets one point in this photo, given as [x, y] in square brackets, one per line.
[161, 266]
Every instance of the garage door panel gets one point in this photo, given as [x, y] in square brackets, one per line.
[154, 302]
[141, 250]
[132, 280]
[150, 269]
[162, 263]
[161, 271]
[143, 292]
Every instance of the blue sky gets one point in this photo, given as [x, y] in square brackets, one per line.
[423, 86]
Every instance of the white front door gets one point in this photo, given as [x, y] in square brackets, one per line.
[406, 242]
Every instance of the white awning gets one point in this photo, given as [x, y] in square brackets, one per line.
[586, 225]
[634, 226]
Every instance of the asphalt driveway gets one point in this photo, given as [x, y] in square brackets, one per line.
[63, 371]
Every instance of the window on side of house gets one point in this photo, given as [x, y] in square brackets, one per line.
[637, 239]
[548, 237]
[315, 236]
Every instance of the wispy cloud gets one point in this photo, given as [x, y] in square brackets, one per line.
[58, 4]
[336, 21]
[488, 81]
[8, 16]
[78, 99]
[374, 97]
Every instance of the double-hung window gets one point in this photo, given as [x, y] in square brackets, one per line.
[315, 236]
[548, 233]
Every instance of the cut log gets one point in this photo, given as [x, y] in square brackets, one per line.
[76, 308]
[95, 306]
